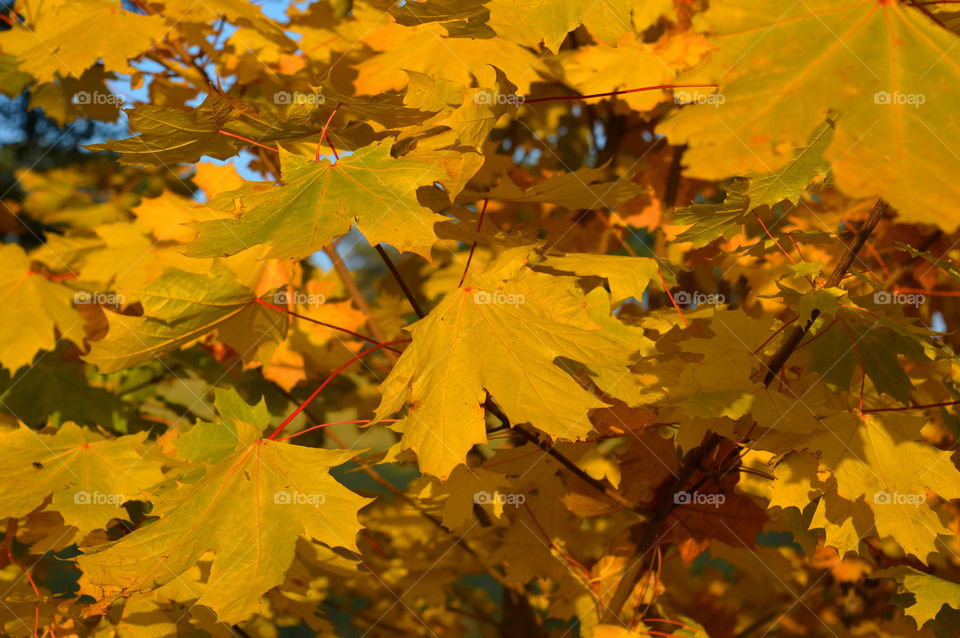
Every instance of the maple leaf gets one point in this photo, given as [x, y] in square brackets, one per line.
[67, 37]
[499, 335]
[796, 481]
[631, 63]
[878, 458]
[168, 135]
[89, 476]
[545, 20]
[180, 308]
[477, 114]
[52, 302]
[712, 221]
[627, 276]
[892, 123]
[583, 188]
[930, 593]
[517, 149]
[714, 510]
[248, 510]
[549, 21]
[237, 11]
[425, 48]
[878, 344]
[320, 201]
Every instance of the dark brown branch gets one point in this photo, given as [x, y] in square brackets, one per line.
[673, 178]
[652, 532]
[779, 359]
[927, 12]
[357, 295]
[403, 285]
[600, 486]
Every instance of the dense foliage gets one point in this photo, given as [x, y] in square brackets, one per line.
[598, 318]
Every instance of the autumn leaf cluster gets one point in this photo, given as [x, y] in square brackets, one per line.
[481, 318]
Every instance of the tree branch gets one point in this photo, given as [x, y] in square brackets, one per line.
[600, 486]
[652, 532]
[403, 285]
[779, 359]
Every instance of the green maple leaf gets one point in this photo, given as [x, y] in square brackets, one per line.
[946, 265]
[873, 344]
[180, 308]
[501, 335]
[890, 73]
[320, 201]
[713, 221]
[215, 442]
[88, 476]
[171, 135]
[53, 390]
[584, 188]
[249, 510]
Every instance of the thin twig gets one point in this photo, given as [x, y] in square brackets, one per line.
[325, 135]
[600, 486]
[400, 282]
[614, 93]
[473, 247]
[322, 323]
[911, 407]
[326, 382]
[346, 277]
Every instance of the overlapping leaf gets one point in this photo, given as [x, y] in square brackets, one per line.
[881, 462]
[68, 37]
[180, 308]
[51, 302]
[320, 201]
[712, 221]
[249, 510]
[779, 65]
[88, 476]
[168, 135]
[502, 335]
